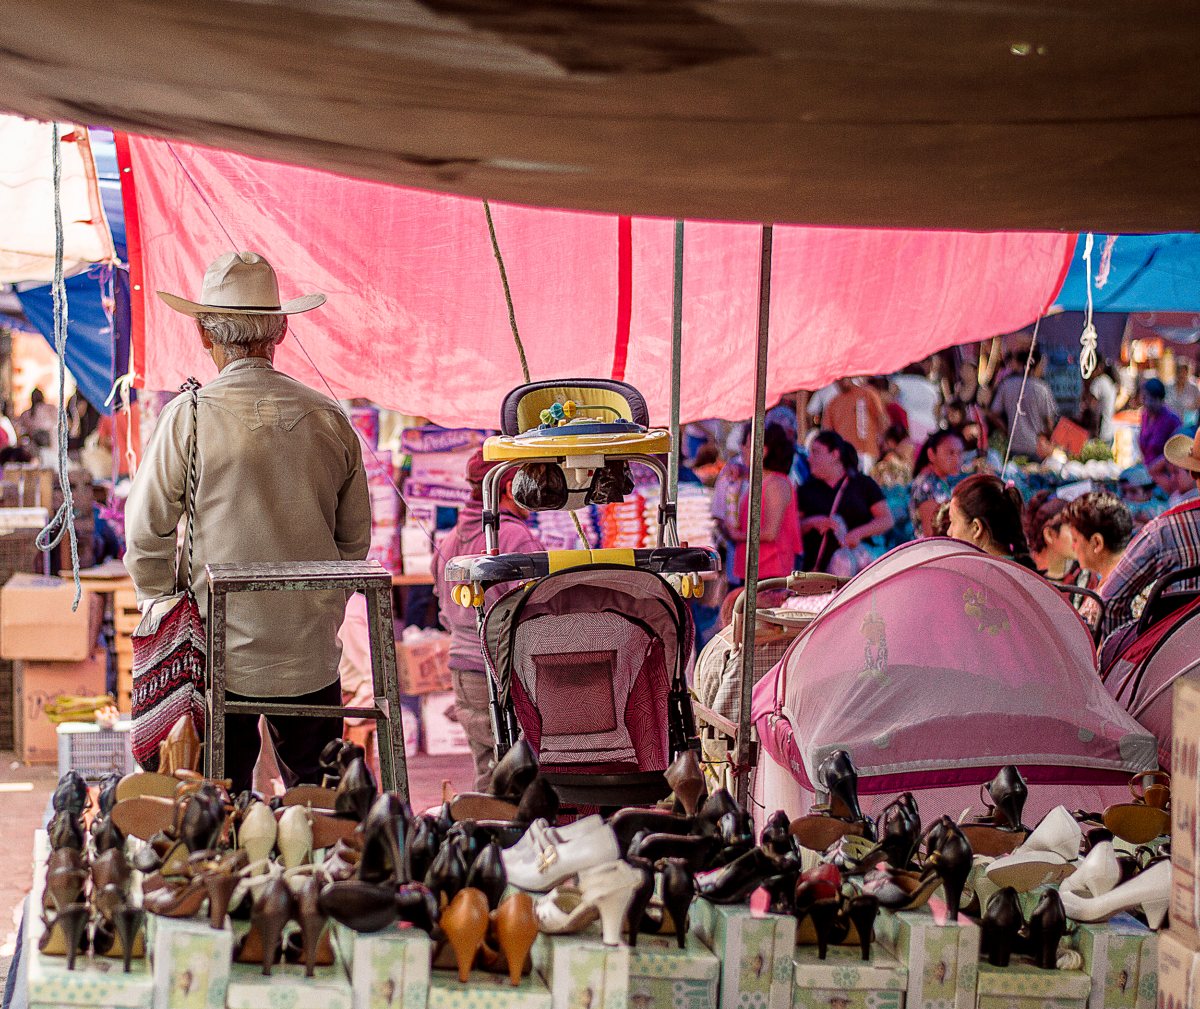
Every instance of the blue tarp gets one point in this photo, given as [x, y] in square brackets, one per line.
[1148, 273]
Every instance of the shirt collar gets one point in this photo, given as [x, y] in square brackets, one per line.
[245, 364]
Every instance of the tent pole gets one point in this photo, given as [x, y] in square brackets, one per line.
[742, 753]
[676, 364]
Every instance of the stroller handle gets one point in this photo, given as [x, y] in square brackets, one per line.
[799, 583]
[1156, 592]
[1067, 589]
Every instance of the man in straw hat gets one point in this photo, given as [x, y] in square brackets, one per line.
[280, 478]
[1165, 544]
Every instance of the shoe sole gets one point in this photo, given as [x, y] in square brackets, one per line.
[1026, 876]
[992, 841]
[144, 816]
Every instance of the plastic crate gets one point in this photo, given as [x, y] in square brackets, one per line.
[93, 751]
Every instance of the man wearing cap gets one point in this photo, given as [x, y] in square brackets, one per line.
[1167, 543]
[280, 478]
[1158, 423]
[467, 669]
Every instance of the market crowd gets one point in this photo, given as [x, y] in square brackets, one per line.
[867, 463]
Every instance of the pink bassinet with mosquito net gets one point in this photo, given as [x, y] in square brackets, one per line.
[934, 667]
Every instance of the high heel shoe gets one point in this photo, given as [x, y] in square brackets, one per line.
[697, 849]
[417, 906]
[221, 879]
[1047, 925]
[899, 833]
[715, 806]
[1147, 817]
[952, 861]
[355, 789]
[66, 933]
[775, 836]
[1045, 857]
[66, 830]
[831, 926]
[734, 882]
[118, 929]
[1149, 892]
[314, 937]
[677, 891]
[465, 923]
[842, 814]
[514, 772]
[515, 927]
[642, 894]
[862, 910]
[447, 874]
[420, 849]
[295, 837]
[629, 822]
[70, 794]
[1001, 921]
[257, 831]
[361, 907]
[273, 908]
[383, 832]
[488, 876]
[686, 778]
[539, 801]
[1097, 874]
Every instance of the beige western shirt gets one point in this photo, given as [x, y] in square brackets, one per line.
[280, 479]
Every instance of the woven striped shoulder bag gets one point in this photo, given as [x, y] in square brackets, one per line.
[169, 645]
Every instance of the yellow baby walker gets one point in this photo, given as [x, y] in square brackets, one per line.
[588, 650]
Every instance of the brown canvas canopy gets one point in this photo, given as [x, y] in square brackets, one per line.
[1073, 114]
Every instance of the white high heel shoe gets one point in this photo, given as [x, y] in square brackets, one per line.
[295, 838]
[258, 831]
[604, 892]
[553, 858]
[1097, 874]
[540, 833]
[1149, 890]
[1045, 857]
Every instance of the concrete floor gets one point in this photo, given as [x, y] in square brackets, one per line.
[25, 791]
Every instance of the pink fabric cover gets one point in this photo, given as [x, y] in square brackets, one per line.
[416, 318]
[937, 665]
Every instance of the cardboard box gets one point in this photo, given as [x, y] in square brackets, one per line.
[287, 986]
[1185, 809]
[662, 974]
[190, 963]
[442, 732]
[388, 969]
[36, 621]
[844, 978]
[1021, 985]
[423, 663]
[581, 965]
[756, 951]
[487, 991]
[1178, 972]
[1121, 957]
[36, 684]
[942, 958]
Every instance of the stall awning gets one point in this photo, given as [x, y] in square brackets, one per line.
[416, 318]
[1135, 273]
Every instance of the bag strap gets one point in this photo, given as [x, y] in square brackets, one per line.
[837, 500]
[192, 387]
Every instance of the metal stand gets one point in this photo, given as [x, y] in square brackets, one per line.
[367, 577]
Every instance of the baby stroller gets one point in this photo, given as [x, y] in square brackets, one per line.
[589, 653]
[935, 667]
[1141, 661]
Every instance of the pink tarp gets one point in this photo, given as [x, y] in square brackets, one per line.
[416, 318]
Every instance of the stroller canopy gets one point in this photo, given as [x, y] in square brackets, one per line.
[940, 660]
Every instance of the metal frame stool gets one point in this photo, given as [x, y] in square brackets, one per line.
[367, 577]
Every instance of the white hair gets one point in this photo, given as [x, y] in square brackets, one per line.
[243, 332]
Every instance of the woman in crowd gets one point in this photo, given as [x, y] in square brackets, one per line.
[1100, 526]
[839, 507]
[779, 539]
[987, 512]
[1049, 537]
[938, 462]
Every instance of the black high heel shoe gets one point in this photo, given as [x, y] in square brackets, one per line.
[831, 925]
[862, 910]
[1047, 925]
[842, 815]
[775, 836]
[70, 794]
[735, 882]
[383, 831]
[628, 823]
[999, 831]
[539, 801]
[641, 897]
[515, 771]
[420, 849]
[715, 807]
[488, 876]
[355, 789]
[677, 892]
[698, 850]
[899, 832]
[447, 873]
[951, 860]
[1001, 921]
[66, 830]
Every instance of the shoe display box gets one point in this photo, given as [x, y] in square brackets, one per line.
[848, 981]
[287, 986]
[755, 949]
[1185, 810]
[1178, 972]
[942, 958]
[190, 963]
[1121, 958]
[662, 974]
[575, 966]
[490, 991]
[1021, 985]
[388, 969]
[37, 684]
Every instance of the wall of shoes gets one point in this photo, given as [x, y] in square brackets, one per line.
[160, 890]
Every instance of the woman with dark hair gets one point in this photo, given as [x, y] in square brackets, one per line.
[987, 512]
[1048, 536]
[779, 536]
[1100, 526]
[839, 507]
[938, 462]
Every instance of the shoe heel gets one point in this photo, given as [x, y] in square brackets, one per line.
[516, 931]
[1155, 912]
[641, 898]
[270, 932]
[824, 914]
[128, 922]
[613, 908]
[465, 923]
[219, 886]
[678, 888]
[863, 911]
[73, 920]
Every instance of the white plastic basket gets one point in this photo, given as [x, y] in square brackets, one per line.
[93, 751]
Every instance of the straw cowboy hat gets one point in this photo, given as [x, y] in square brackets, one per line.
[241, 283]
[1184, 452]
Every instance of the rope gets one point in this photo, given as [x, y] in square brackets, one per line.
[63, 522]
[203, 198]
[1088, 339]
[1018, 414]
[512, 317]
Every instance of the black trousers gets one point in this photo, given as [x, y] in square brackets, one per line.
[300, 740]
